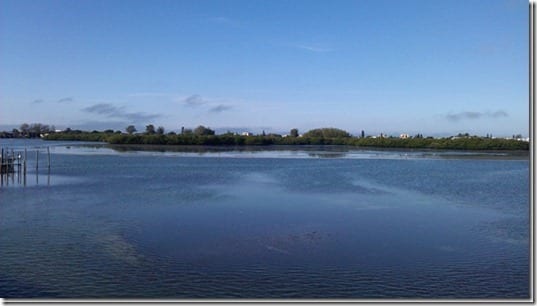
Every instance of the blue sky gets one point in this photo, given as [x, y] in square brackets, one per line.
[433, 67]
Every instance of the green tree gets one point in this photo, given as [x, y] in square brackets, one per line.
[201, 130]
[24, 129]
[293, 133]
[327, 133]
[35, 130]
[150, 129]
[160, 130]
[130, 129]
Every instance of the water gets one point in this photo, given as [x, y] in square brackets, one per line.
[265, 224]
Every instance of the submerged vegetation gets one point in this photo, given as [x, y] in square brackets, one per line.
[323, 136]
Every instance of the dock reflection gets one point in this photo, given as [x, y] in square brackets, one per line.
[19, 178]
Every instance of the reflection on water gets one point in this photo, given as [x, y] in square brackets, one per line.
[316, 151]
[231, 224]
[19, 179]
[304, 151]
[32, 179]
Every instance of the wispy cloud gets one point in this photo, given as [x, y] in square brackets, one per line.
[313, 48]
[112, 111]
[62, 100]
[103, 109]
[463, 115]
[223, 20]
[499, 113]
[194, 100]
[65, 100]
[475, 115]
[209, 105]
[220, 108]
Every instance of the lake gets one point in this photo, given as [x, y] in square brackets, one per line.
[301, 223]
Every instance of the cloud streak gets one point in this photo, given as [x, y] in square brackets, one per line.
[220, 108]
[476, 115]
[65, 100]
[194, 101]
[112, 111]
[210, 106]
[311, 48]
[62, 100]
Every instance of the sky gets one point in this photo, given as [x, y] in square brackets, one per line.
[407, 66]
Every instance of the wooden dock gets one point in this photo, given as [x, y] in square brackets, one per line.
[15, 164]
[10, 161]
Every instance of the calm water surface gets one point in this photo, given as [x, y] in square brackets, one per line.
[280, 224]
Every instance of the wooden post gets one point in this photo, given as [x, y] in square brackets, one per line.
[6, 160]
[25, 162]
[19, 163]
[37, 160]
[2, 161]
[48, 153]
[24, 178]
[19, 168]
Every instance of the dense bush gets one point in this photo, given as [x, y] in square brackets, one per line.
[327, 133]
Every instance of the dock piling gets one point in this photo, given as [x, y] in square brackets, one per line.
[48, 154]
[25, 154]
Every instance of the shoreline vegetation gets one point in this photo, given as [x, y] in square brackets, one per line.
[202, 136]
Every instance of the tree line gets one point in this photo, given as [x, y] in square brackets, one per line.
[205, 136]
[33, 130]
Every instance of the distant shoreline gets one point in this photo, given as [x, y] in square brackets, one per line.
[466, 143]
[203, 136]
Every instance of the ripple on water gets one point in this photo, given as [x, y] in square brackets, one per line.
[269, 229]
